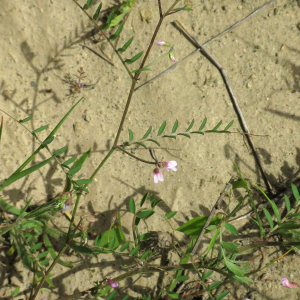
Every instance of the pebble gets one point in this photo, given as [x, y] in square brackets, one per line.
[248, 85]
[33, 83]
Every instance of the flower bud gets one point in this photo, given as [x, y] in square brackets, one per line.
[162, 43]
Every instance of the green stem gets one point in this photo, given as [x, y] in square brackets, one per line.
[102, 163]
[48, 272]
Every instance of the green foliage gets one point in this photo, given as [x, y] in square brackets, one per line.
[108, 236]
[25, 120]
[194, 226]
[126, 45]
[119, 30]
[132, 206]
[87, 5]
[96, 14]
[32, 236]
[187, 133]
[231, 228]
[134, 58]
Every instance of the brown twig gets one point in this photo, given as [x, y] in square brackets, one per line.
[228, 185]
[206, 44]
[235, 104]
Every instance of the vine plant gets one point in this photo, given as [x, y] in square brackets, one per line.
[27, 231]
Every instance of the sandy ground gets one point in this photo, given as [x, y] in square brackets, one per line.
[41, 44]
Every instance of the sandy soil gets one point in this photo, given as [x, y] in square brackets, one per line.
[41, 44]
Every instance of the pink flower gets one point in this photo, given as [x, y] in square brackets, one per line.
[170, 165]
[113, 284]
[162, 43]
[171, 54]
[286, 283]
[158, 175]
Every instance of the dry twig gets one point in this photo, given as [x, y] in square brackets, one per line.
[235, 104]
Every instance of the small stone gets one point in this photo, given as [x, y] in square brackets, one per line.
[240, 7]
[82, 175]
[248, 85]
[276, 11]
[33, 83]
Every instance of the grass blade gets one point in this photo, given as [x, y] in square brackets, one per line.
[29, 159]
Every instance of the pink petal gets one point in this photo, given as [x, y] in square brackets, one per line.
[170, 165]
[158, 175]
[163, 43]
[161, 176]
[155, 175]
[113, 284]
[286, 283]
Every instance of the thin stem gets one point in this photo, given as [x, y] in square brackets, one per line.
[172, 6]
[95, 52]
[111, 44]
[160, 11]
[124, 113]
[151, 269]
[102, 163]
[176, 11]
[223, 193]
[137, 158]
[73, 218]
[48, 271]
